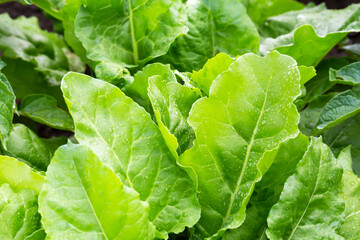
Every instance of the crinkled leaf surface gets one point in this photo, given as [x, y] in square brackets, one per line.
[26, 145]
[83, 199]
[340, 108]
[124, 136]
[249, 111]
[268, 190]
[19, 175]
[350, 191]
[171, 104]
[129, 32]
[43, 109]
[212, 68]
[349, 74]
[19, 217]
[47, 51]
[309, 205]
[343, 135]
[7, 103]
[138, 89]
[214, 26]
[308, 35]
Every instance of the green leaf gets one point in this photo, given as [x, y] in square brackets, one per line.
[306, 73]
[51, 7]
[211, 70]
[346, 75]
[19, 217]
[320, 84]
[350, 192]
[43, 109]
[47, 51]
[37, 235]
[340, 108]
[308, 35]
[138, 89]
[29, 81]
[249, 111]
[172, 103]
[113, 73]
[214, 26]
[7, 104]
[19, 175]
[309, 117]
[343, 135]
[353, 49]
[309, 205]
[26, 145]
[83, 199]
[124, 136]
[260, 10]
[268, 190]
[129, 33]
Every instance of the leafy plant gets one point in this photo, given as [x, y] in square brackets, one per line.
[196, 119]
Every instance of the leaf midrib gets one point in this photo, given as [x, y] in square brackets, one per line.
[248, 151]
[89, 201]
[308, 204]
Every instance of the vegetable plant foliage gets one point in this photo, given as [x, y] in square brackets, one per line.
[195, 119]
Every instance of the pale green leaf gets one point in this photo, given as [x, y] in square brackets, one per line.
[19, 175]
[138, 89]
[129, 32]
[308, 35]
[309, 206]
[350, 192]
[19, 217]
[171, 103]
[212, 68]
[43, 109]
[249, 111]
[113, 73]
[340, 108]
[306, 73]
[214, 26]
[83, 199]
[124, 136]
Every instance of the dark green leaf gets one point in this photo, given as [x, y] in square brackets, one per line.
[43, 109]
